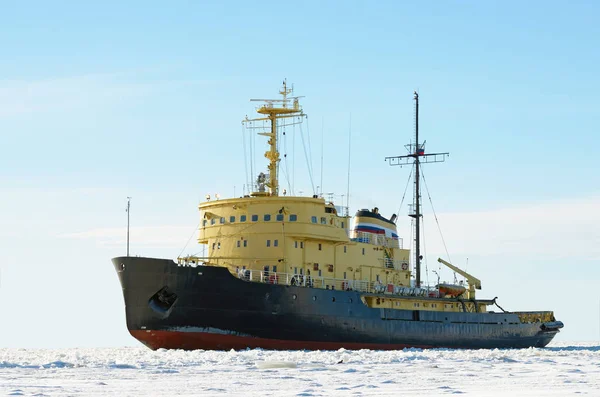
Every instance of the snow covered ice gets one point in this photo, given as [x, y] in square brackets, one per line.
[559, 370]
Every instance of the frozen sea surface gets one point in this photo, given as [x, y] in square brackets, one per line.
[560, 370]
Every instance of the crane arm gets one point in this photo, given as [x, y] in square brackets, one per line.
[473, 281]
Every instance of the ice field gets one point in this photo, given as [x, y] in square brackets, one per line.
[560, 370]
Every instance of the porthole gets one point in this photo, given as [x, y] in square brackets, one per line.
[122, 266]
[314, 298]
[333, 298]
[349, 300]
[294, 297]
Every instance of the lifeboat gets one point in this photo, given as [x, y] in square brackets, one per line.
[451, 290]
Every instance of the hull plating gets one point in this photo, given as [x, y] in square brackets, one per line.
[168, 306]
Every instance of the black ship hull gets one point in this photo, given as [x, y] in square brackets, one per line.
[206, 307]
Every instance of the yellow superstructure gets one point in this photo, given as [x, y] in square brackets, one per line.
[296, 235]
[270, 237]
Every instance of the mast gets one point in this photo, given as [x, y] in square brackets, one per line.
[274, 109]
[127, 210]
[417, 214]
[416, 156]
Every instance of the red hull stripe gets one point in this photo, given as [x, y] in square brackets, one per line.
[212, 341]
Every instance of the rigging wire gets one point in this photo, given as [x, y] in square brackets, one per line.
[436, 218]
[189, 239]
[308, 162]
[310, 154]
[406, 189]
[349, 152]
[412, 241]
[293, 191]
[425, 253]
[286, 168]
[245, 153]
[251, 186]
[322, 126]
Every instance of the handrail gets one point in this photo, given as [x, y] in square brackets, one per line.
[375, 239]
[391, 263]
[307, 280]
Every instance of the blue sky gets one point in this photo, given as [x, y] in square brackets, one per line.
[103, 101]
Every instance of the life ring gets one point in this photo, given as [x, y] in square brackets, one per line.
[273, 279]
[405, 266]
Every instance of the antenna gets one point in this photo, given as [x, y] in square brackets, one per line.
[128, 211]
[322, 123]
[349, 151]
[417, 156]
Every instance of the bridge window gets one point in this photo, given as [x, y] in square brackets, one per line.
[267, 217]
[319, 273]
[301, 244]
[275, 267]
[313, 219]
[275, 243]
[204, 222]
[279, 217]
[222, 220]
[363, 251]
[320, 247]
[345, 249]
[232, 219]
[245, 243]
[344, 275]
[242, 218]
[238, 243]
[323, 220]
[254, 218]
[293, 218]
[342, 225]
[214, 245]
[377, 277]
[212, 221]
[268, 243]
[219, 245]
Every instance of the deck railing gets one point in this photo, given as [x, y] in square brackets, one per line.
[376, 239]
[309, 281]
[397, 264]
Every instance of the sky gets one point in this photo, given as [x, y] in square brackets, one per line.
[101, 101]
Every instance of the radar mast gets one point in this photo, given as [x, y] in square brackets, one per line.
[274, 109]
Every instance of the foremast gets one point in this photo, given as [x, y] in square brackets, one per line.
[275, 109]
[416, 155]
